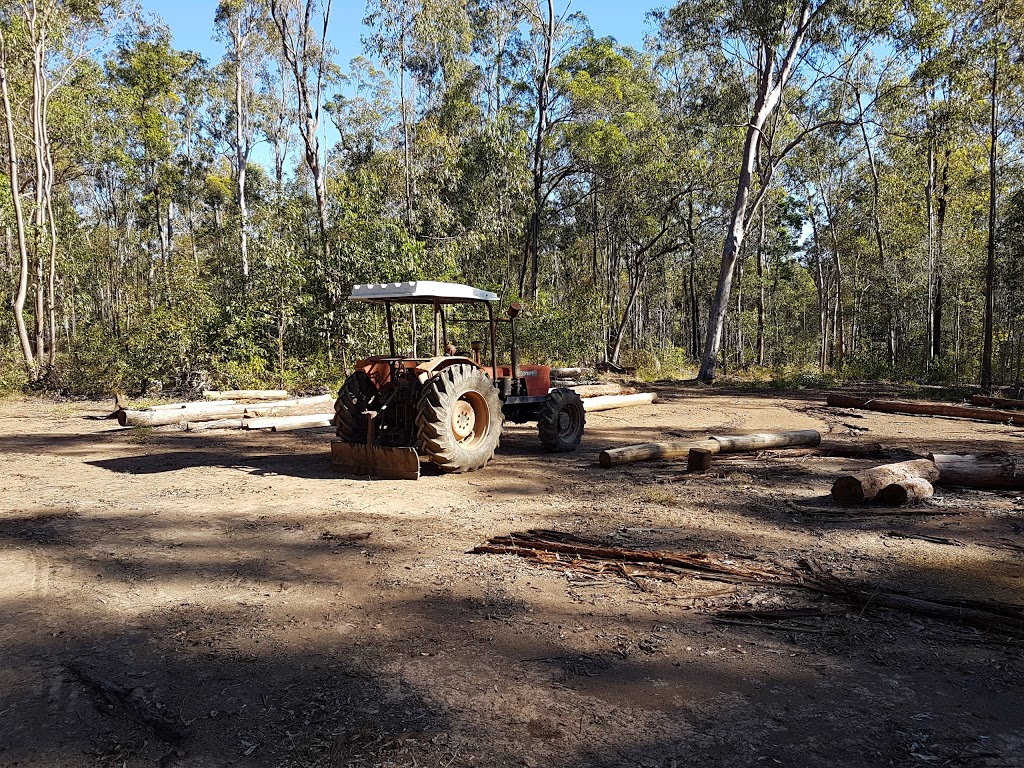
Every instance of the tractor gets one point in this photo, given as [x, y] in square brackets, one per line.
[447, 409]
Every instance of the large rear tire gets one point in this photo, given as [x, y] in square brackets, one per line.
[356, 395]
[561, 421]
[459, 419]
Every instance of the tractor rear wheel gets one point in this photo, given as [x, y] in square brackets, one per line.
[356, 395]
[561, 421]
[459, 419]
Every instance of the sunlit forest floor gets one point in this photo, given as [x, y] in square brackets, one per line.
[265, 611]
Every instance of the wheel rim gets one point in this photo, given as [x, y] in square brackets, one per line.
[568, 422]
[469, 419]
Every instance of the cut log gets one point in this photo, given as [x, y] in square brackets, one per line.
[608, 402]
[288, 407]
[597, 390]
[566, 373]
[724, 444]
[906, 492]
[919, 408]
[246, 394]
[997, 402]
[281, 423]
[761, 441]
[865, 486]
[193, 404]
[699, 459]
[645, 451]
[209, 412]
[990, 472]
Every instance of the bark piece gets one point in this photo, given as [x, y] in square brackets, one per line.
[906, 492]
[920, 408]
[865, 486]
[990, 472]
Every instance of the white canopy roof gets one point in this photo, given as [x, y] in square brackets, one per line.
[419, 291]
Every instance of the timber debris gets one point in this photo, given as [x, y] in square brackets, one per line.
[921, 408]
[565, 551]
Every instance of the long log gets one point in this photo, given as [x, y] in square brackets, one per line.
[282, 423]
[997, 402]
[209, 412]
[865, 486]
[287, 407]
[906, 492]
[607, 402]
[597, 390]
[919, 408]
[202, 426]
[993, 471]
[246, 394]
[193, 404]
[718, 444]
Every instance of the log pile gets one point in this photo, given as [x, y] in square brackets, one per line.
[226, 414]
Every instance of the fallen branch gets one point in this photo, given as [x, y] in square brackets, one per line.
[134, 701]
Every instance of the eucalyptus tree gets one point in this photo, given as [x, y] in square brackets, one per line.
[788, 53]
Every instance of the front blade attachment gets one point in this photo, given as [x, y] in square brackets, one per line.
[375, 460]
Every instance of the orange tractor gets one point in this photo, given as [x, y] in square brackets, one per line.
[449, 408]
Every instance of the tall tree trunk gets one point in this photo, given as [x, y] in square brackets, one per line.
[241, 147]
[760, 294]
[990, 265]
[19, 215]
[940, 230]
[531, 254]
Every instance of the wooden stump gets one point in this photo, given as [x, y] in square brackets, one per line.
[699, 459]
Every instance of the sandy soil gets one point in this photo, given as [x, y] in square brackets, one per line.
[273, 613]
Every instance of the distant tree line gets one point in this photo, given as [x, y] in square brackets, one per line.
[826, 185]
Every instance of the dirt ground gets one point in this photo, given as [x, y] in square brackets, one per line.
[243, 604]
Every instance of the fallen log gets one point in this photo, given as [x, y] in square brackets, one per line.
[919, 408]
[997, 402]
[246, 394]
[989, 472]
[865, 486]
[281, 423]
[906, 492]
[718, 444]
[566, 373]
[608, 402]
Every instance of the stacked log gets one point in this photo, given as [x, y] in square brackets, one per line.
[246, 394]
[217, 411]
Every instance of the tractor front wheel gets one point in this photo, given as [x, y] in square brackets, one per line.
[561, 421]
[356, 395]
[459, 419]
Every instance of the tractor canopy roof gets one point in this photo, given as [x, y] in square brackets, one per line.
[420, 292]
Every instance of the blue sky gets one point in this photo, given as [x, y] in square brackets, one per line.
[191, 23]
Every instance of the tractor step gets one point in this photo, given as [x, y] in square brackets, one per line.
[375, 460]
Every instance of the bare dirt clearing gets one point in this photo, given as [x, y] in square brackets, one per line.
[265, 611]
